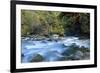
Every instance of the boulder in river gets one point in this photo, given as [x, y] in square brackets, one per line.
[37, 58]
[74, 56]
[78, 55]
[86, 56]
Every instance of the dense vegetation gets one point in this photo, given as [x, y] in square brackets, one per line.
[45, 23]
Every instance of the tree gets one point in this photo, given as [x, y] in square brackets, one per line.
[76, 23]
[41, 23]
[53, 22]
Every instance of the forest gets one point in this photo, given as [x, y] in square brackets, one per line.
[46, 23]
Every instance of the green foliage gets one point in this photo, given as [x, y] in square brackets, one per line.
[85, 23]
[50, 22]
[76, 23]
[40, 23]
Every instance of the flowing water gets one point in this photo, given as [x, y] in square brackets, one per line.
[50, 50]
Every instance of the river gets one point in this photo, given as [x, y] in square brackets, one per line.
[49, 50]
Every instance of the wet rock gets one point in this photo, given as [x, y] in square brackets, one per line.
[74, 46]
[86, 56]
[78, 55]
[55, 36]
[66, 58]
[37, 58]
[74, 56]
[44, 41]
[71, 50]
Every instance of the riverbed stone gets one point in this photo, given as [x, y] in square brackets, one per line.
[86, 56]
[78, 55]
[37, 58]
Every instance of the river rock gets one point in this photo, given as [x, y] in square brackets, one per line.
[44, 41]
[54, 37]
[78, 55]
[37, 58]
[86, 56]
